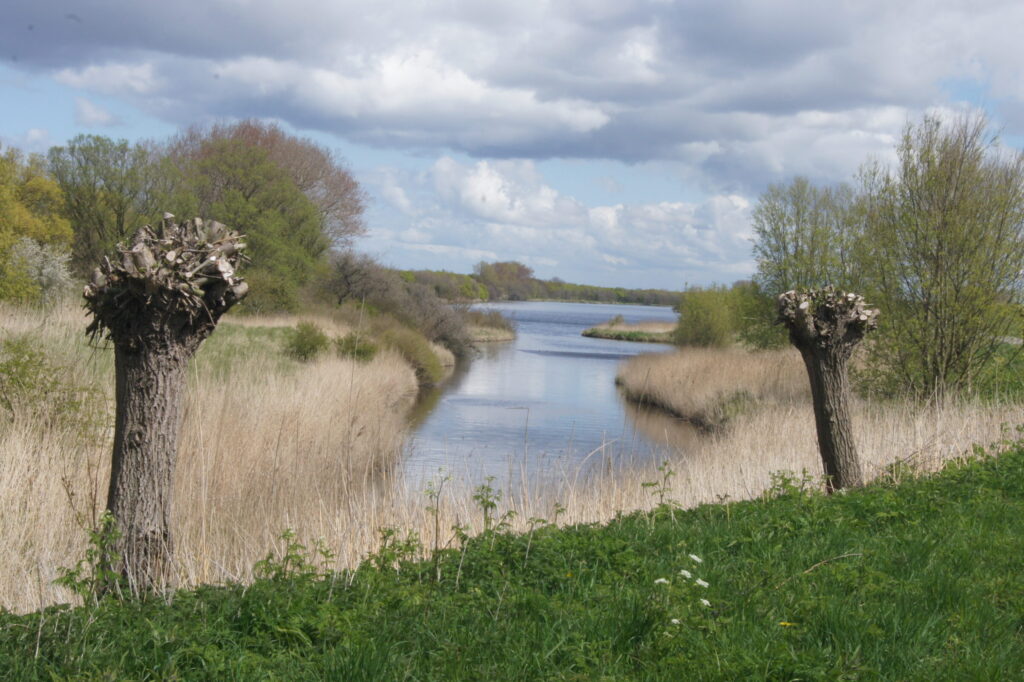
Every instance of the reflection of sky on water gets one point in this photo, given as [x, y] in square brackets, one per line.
[539, 405]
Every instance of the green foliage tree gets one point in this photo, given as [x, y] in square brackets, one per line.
[317, 172]
[31, 220]
[506, 280]
[944, 252]
[109, 188]
[242, 186]
[806, 236]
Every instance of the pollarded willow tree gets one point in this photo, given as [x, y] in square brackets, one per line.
[826, 325]
[157, 301]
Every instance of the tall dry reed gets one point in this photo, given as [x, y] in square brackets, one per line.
[271, 444]
[709, 385]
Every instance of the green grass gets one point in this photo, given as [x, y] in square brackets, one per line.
[916, 581]
[624, 335]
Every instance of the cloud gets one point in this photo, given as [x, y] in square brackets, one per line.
[507, 209]
[88, 115]
[33, 140]
[737, 93]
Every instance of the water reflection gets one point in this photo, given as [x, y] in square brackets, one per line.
[658, 426]
[541, 405]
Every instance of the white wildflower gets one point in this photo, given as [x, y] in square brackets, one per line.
[674, 621]
[661, 581]
[696, 558]
[686, 574]
[700, 582]
[705, 602]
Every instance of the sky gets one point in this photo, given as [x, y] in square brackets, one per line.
[610, 142]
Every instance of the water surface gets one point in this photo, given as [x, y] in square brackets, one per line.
[543, 404]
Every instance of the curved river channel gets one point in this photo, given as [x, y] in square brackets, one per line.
[544, 405]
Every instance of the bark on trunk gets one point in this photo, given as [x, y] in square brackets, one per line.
[149, 389]
[159, 298]
[829, 391]
[825, 326]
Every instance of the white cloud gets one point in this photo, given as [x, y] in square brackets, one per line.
[89, 115]
[113, 78]
[33, 140]
[508, 209]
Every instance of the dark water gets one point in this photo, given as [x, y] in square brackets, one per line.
[541, 405]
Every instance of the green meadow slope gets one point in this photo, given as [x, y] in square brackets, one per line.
[919, 579]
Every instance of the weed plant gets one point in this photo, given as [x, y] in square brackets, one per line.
[912, 581]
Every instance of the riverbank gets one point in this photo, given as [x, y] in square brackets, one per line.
[918, 580]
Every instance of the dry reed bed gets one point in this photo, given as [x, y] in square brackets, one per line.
[705, 385]
[267, 447]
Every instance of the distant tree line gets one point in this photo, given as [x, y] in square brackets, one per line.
[514, 281]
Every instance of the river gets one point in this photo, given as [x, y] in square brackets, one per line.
[543, 405]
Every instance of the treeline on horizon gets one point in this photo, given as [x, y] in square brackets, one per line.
[514, 281]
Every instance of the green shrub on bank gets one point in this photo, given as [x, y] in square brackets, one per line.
[355, 347]
[916, 580]
[306, 342]
[412, 346]
[706, 318]
[719, 316]
[489, 318]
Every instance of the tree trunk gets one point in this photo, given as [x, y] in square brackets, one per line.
[829, 391]
[149, 388]
[825, 326]
[159, 298]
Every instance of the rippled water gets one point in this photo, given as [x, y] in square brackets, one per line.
[542, 404]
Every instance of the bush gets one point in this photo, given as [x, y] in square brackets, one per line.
[706, 318]
[489, 318]
[46, 267]
[30, 383]
[755, 316]
[306, 342]
[354, 347]
[412, 346]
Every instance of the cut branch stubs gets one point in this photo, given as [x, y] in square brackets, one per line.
[826, 325]
[157, 300]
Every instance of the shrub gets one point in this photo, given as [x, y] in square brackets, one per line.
[412, 346]
[45, 266]
[306, 342]
[30, 383]
[489, 318]
[706, 318]
[355, 347]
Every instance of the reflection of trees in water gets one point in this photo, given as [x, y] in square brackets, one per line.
[661, 428]
[430, 396]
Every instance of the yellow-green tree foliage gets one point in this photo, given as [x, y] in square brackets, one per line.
[30, 206]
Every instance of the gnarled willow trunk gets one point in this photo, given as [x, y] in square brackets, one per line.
[157, 303]
[825, 326]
